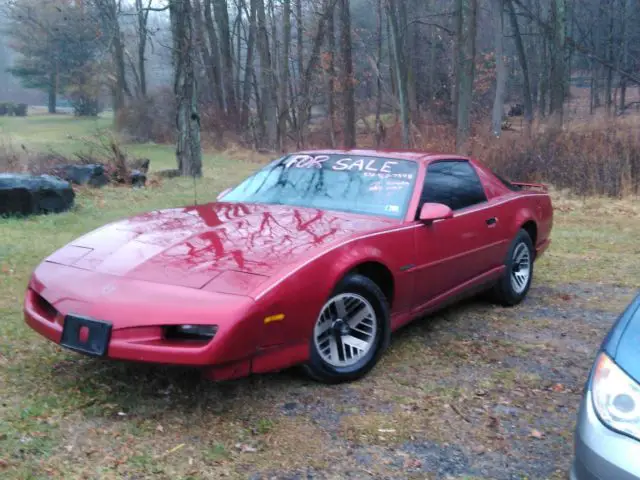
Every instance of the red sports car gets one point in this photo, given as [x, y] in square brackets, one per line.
[314, 260]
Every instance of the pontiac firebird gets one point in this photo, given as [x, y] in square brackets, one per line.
[314, 260]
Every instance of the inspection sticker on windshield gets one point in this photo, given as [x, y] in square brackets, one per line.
[392, 208]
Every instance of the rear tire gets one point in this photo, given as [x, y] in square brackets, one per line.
[351, 332]
[513, 287]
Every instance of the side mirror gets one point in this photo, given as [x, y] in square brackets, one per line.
[223, 193]
[430, 212]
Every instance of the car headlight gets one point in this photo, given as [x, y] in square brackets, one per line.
[191, 332]
[616, 397]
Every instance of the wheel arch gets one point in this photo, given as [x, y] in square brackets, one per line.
[531, 227]
[525, 220]
[378, 273]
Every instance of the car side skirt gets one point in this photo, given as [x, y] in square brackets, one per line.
[464, 290]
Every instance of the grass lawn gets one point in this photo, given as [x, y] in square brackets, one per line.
[473, 392]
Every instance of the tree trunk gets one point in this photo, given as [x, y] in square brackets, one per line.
[221, 12]
[214, 67]
[53, 91]
[592, 91]
[143, 20]
[557, 93]
[410, 47]
[300, 62]
[522, 58]
[501, 69]
[543, 77]
[188, 150]
[379, 125]
[122, 88]
[457, 59]
[248, 70]
[400, 64]
[431, 76]
[203, 51]
[331, 73]
[238, 28]
[275, 41]
[466, 74]
[348, 79]
[283, 110]
[109, 12]
[269, 122]
[622, 58]
[609, 78]
[306, 77]
[532, 58]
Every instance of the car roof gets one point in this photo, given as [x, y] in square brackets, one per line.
[414, 155]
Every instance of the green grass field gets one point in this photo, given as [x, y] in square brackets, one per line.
[67, 416]
[66, 134]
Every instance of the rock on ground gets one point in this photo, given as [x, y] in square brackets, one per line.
[23, 194]
[90, 174]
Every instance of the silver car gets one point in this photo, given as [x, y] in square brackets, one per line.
[607, 437]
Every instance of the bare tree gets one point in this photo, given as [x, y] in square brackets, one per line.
[268, 95]
[522, 59]
[213, 65]
[396, 11]
[109, 10]
[221, 11]
[188, 148]
[331, 76]
[556, 78]
[347, 79]
[501, 70]
[143, 36]
[466, 70]
[283, 108]
[248, 70]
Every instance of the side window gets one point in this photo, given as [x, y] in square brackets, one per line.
[453, 183]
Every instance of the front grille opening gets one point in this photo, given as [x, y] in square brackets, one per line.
[44, 308]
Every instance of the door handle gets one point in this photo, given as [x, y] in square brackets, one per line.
[492, 221]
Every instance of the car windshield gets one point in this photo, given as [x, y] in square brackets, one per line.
[357, 184]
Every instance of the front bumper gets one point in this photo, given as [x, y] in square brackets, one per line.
[601, 453]
[138, 312]
[135, 344]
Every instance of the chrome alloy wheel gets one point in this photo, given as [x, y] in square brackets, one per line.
[520, 268]
[346, 330]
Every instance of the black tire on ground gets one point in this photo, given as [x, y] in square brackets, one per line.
[504, 292]
[321, 371]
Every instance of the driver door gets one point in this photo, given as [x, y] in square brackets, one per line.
[453, 251]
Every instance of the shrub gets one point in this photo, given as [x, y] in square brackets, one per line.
[84, 105]
[20, 110]
[7, 108]
[10, 159]
[593, 161]
[149, 119]
[22, 160]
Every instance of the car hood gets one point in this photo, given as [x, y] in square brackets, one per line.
[227, 247]
[623, 341]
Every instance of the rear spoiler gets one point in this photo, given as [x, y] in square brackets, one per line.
[532, 186]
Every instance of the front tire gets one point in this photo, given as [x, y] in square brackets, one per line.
[513, 287]
[351, 332]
